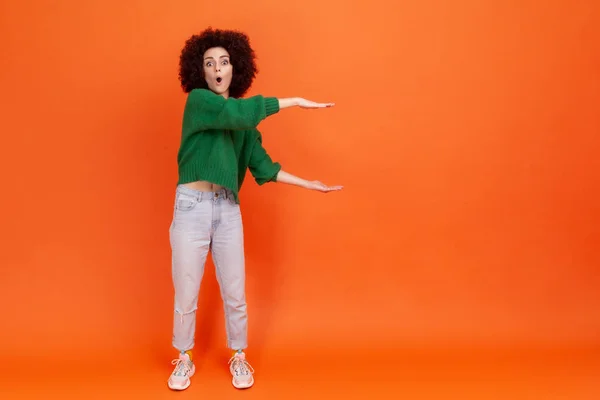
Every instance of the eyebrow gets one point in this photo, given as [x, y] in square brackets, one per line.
[214, 58]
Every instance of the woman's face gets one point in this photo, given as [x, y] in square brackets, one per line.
[218, 70]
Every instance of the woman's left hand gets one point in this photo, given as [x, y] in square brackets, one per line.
[321, 187]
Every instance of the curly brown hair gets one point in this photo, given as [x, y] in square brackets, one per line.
[242, 56]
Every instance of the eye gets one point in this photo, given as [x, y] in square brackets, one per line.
[208, 64]
[225, 62]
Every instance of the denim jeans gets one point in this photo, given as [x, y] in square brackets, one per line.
[203, 222]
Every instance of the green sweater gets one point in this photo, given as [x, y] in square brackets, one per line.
[219, 140]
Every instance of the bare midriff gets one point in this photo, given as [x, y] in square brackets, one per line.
[203, 186]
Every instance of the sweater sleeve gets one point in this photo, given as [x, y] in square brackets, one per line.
[261, 166]
[208, 110]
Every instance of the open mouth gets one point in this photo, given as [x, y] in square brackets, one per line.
[219, 79]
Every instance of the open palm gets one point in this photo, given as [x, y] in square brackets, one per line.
[321, 187]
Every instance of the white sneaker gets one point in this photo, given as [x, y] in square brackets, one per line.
[241, 371]
[184, 370]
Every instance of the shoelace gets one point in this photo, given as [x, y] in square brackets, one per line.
[242, 365]
[181, 367]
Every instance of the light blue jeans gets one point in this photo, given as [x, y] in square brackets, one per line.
[203, 222]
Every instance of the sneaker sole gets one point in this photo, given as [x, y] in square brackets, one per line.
[243, 386]
[187, 385]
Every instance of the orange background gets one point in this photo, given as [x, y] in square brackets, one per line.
[466, 135]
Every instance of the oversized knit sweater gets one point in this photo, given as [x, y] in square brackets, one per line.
[220, 141]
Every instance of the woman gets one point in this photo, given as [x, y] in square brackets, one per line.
[219, 143]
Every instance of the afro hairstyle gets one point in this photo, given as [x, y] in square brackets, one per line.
[242, 58]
